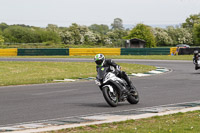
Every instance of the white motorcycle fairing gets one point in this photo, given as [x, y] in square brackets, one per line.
[111, 76]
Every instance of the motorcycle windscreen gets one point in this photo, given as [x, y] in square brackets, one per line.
[101, 72]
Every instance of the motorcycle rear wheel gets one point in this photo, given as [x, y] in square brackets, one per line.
[111, 98]
[133, 99]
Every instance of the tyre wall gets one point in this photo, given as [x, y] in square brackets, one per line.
[42, 52]
[187, 51]
[145, 51]
[8, 52]
[94, 51]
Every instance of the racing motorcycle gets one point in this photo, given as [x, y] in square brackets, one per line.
[196, 60]
[114, 89]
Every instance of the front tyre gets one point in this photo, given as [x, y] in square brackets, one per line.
[110, 97]
[133, 98]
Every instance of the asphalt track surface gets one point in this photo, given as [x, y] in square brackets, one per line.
[26, 103]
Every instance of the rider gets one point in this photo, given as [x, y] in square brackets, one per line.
[100, 60]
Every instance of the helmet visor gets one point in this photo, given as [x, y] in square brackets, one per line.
[99, 62]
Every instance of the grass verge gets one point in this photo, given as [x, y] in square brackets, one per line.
[19, 73]
[148, 57]
[176, 123]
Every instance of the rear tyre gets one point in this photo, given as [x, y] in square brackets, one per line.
[133, 98]
[196, 66]
[110, 97]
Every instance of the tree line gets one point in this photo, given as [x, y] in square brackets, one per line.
[103, 35]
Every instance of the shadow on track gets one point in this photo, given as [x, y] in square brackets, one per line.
[198, 73]
[101, 105]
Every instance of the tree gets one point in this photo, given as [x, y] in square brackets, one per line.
[47, 36]
[1, 39]
[162, 37]
[101, 29]
[116, 36]
[18, 34]
[77, 35]
[3, 26]
[66, 37]
[52, 27]
[91, 38]
[143, 32]
[197, 34]
[117, 24]
[180, 35]
[190, 21]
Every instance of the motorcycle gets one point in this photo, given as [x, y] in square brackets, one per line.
[114, 89]
[196, 60]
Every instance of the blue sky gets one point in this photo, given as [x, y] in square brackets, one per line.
[87, 12]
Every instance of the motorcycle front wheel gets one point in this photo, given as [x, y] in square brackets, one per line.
[110, 97]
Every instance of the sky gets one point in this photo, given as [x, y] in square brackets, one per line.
[86, 12]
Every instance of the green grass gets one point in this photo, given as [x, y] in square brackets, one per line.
[160, 57]
[175, 123]
[19, 73]
[148, 57]
[154, 57]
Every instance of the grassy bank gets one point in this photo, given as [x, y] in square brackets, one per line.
[176, 123]
[18, 73]
[148, 57]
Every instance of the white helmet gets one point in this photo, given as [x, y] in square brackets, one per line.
[99, 59]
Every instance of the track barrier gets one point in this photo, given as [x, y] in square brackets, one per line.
[8, 52]
[145, 51]
[37, 52]
[173, 50]
[91, 51]
[187, 51]
[94, 51]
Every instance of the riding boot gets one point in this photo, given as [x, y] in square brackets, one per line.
[132, 88]
[196, 67]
